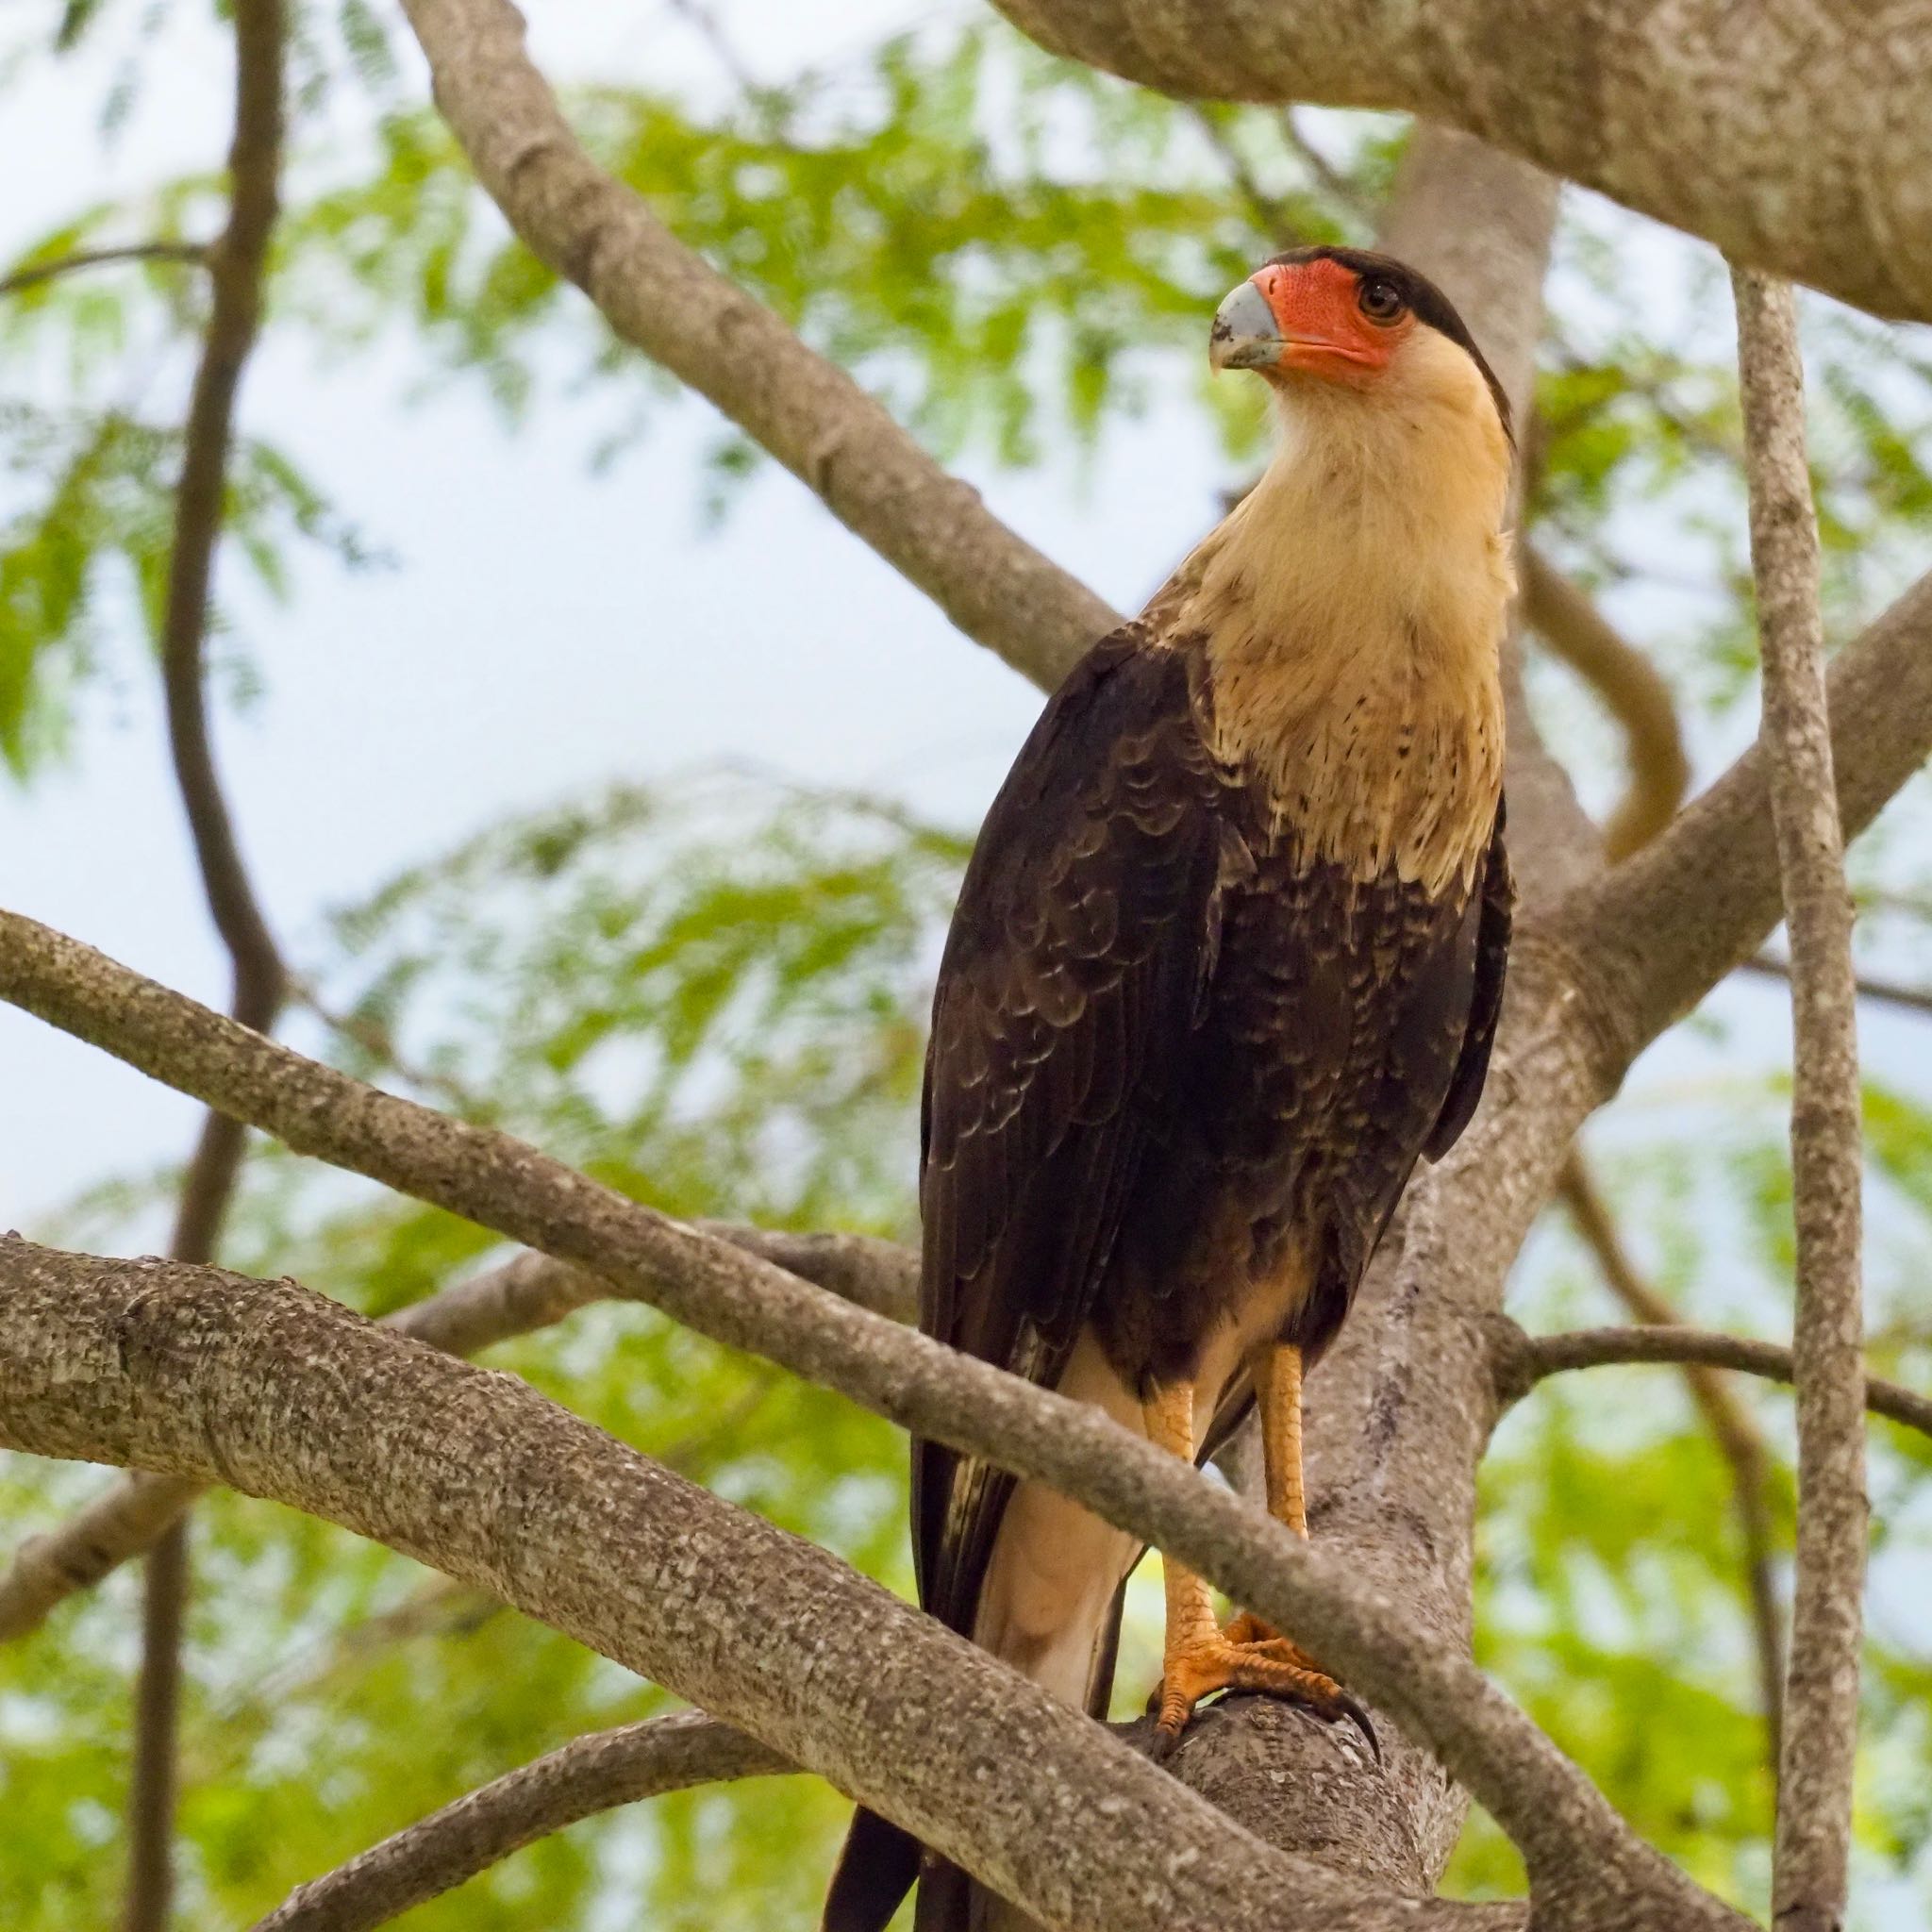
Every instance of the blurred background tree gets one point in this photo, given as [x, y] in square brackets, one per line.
[704, 983]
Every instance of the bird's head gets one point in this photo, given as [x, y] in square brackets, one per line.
[1323, 324]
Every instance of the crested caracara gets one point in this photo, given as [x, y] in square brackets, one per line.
[1227, 961]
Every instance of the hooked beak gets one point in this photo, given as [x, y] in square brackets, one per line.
[1245, 334]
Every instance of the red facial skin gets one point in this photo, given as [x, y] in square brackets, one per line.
[1316, 307]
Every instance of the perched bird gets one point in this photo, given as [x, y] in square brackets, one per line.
[1226, 961]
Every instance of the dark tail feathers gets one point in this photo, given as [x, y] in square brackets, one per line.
[879, 1865]
[875, 1871]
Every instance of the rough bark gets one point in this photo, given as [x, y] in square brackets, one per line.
[237, 267]
[522, 1295]
[281, 1393]
[1811, 1857]
[1344, 1613]
[1811, 154]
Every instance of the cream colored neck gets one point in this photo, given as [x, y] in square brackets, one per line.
[1352, 608]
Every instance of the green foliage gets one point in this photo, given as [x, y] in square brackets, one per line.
[98, 540]
[711, 994]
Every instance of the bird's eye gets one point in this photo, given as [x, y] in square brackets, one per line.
[1380, 301]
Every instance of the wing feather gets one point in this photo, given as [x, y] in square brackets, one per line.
[1486, 1004]
[1068, 989]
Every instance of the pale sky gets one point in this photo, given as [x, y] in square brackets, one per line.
[543, 631]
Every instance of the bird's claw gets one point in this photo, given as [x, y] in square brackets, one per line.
[1251, 1657]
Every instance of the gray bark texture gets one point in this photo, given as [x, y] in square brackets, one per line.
[200, 1377]
[1789, 133]
[1811, 1856]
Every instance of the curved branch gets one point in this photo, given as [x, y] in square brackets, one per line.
[34, 274]
[523, 1295]
[1811, 149]
[1545, 1803]
[480, 1829]
[1524, 1360]
[1574, 629]
[661, 297]
[237, 263]
[284, 1394]
[1811, 1856]
[1738, 1439]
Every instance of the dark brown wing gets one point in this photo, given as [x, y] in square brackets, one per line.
[1485, 1003]
[1072, 977]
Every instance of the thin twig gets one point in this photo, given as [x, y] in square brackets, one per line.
[196, 253]
[1889, 993]
[517, 1298]
[1269, 213]
[1812, 1854]
[238, 264]
[1737, 1435]
[1524, 1360]
[1574, 629]
[1330, 178]
[585, 1777]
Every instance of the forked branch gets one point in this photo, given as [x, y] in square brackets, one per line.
[1542, 1800]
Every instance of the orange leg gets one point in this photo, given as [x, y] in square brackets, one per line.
[1199, 1657]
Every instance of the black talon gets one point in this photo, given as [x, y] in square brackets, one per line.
[1359, 1718]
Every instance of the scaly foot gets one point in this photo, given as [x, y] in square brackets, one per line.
[1250, 1656]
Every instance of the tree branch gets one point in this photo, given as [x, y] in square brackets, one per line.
[1552, 1811]
[524, 1294]
[34, 274]
[1810, 1868]
[1891, 993]
[237, 265]
[1575, 630]
[1522, 1361]
[1608, 93]
[1639, 947]
[283, 1394]
[1738, 1439]
[661, 297]
[585, 1777]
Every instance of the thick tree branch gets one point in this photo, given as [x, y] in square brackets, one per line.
[282, 1393]
[237, 265]
[1810, 1867]
[1552, 1811]
[1524, 1360]
[1738, 1439]
[1572, 629]
[1811, 153]
[580, 1779]
[35, 274]
[518, 1297]
[661, 297]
